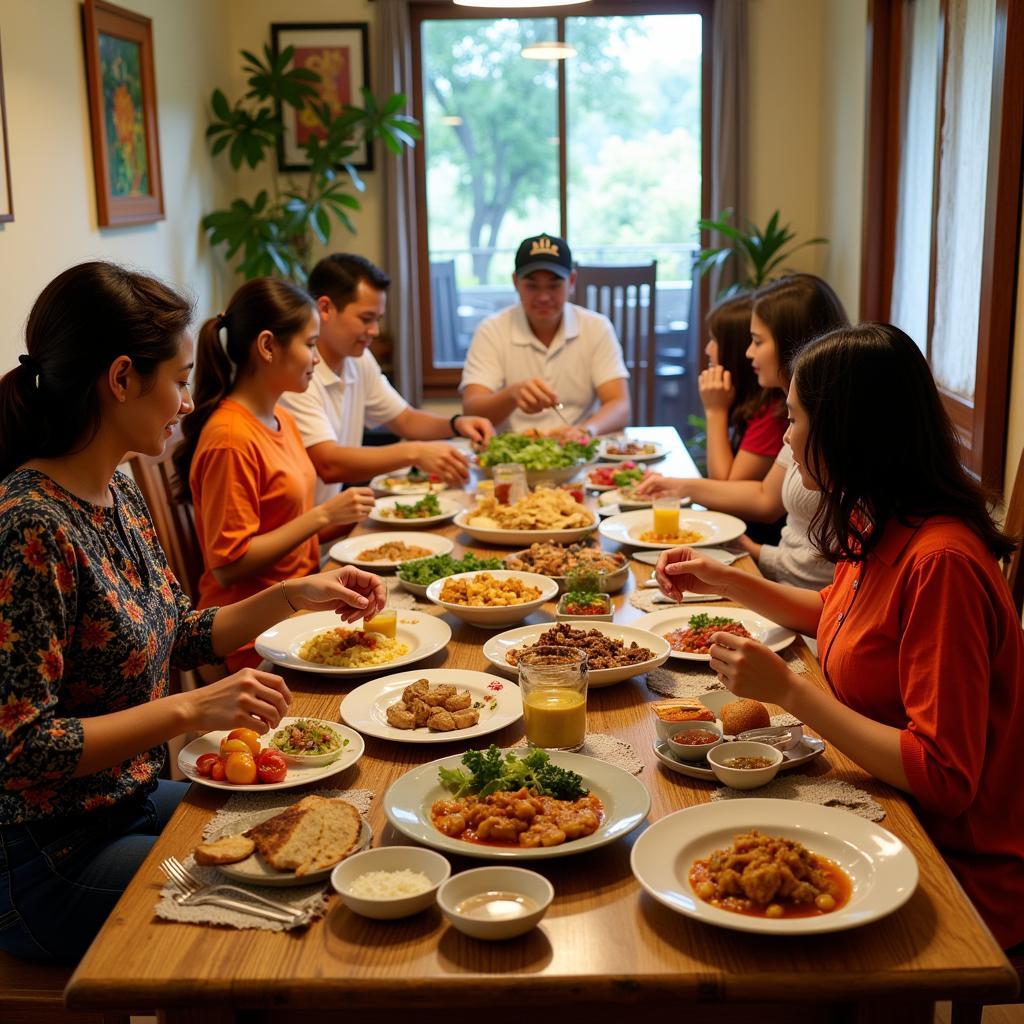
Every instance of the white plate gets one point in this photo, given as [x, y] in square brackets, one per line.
[423, 633]
[626, 803]
[614, 497]
[715, 528]
[449, 508]
[365, 708]
[501, 615]
[254, 870]
[659, 452]
[773, 636]
[297, 776]
[719, 554]
[604, 465]
[883, 870]
[806, 750]
[498, 646]
[486, 536]
[349, 551]
[379, 485]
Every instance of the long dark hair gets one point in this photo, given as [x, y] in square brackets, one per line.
[797, 308]
[263, 304]
[729, 324]
[880, 444]
[82, 321]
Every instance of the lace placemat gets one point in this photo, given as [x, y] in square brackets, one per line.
[698, 677]
[605, 748]
[310, 898]
[827, 792]
[399, 597]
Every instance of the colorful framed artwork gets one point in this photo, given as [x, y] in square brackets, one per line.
[6, 195]
[122, 109]
[339, 53]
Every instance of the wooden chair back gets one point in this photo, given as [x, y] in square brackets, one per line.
[444, 310]
[1014, 525]
[173, 518]
[626, 295]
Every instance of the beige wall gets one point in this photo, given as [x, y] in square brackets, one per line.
[51, 153]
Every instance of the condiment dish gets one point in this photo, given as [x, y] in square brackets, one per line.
[693, 751]
[390, 858]
[562, 615]
[744, 778]
[495, 902]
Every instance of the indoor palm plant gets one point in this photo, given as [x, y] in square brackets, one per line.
[275, 231]
[758, 252]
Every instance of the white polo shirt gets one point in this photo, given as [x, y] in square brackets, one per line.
[337, 408]
[583, 355]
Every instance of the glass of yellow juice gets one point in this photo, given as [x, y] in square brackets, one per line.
[385, 621]
[553, 682]
[666, 516]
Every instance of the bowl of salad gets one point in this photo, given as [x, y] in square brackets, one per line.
[311, 742]
[607, 476]
[543, 458]
[584, 604]
[417, 575]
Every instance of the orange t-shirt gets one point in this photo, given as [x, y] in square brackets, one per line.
[248, 480]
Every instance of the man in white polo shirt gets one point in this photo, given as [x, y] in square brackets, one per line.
[348, 390]
[544, 351]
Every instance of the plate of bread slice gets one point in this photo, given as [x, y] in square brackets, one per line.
[298, 845]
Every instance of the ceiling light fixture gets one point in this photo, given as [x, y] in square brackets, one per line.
[517, 3]
[548, 51]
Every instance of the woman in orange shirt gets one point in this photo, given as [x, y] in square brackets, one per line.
[246, 468]
[918, 635]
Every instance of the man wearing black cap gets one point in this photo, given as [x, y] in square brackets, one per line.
[545, 351]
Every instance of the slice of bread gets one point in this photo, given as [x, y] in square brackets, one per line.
[315, 833]
[226, 850]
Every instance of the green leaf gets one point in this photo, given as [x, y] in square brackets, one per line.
[220, 104]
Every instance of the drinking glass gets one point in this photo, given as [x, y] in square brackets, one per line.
[510, 482]
[665, 511]
[553, 683]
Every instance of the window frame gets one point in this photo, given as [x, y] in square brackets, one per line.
[981, 423]
[442, 382]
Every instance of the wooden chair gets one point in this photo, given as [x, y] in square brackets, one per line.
[626, 295]
[1014, 525]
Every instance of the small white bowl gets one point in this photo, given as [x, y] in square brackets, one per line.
[390, 858]
[495, 879]
[693, 751]
[666, 729]
[317, 760]
[563, 616]
[502, 615]
[744, 778]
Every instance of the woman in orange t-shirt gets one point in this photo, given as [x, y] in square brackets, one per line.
[918, 635]
[246, 468]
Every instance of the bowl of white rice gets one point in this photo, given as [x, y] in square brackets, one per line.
[389, 882]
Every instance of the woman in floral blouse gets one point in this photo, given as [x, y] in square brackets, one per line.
[91, 616]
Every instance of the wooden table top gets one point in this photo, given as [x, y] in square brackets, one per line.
[604, 944]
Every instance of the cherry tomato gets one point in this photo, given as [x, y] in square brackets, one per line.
[217, 771]
[250, 737]
[240, 768]
[271, 767]
[205, 762]
[228, 745]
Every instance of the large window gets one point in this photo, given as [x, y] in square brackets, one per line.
[604, 148]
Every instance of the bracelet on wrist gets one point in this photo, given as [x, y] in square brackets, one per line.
[451, 423]
[284, 590]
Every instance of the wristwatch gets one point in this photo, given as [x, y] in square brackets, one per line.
[451, 423]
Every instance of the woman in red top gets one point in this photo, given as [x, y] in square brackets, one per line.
[918, 635]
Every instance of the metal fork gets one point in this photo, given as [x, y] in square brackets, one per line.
[559, 407]
[193, 891]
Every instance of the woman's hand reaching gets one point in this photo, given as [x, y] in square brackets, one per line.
[681, 569]
[351, 592]
[657, 486]
[249, 698]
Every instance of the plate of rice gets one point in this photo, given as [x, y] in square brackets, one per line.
[321, 643]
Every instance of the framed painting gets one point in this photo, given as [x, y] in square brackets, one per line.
[122, 109]
[6, 196]
[339, 53]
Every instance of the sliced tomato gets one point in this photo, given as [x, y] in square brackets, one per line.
[217, 772]
[271, 767]
[205, 762]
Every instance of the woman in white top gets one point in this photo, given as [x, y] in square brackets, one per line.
[786, 314]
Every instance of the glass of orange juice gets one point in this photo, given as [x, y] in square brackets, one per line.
[666, 516]
[385, 622]
[553, 682]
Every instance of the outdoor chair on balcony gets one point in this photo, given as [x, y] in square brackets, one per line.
[626, 295]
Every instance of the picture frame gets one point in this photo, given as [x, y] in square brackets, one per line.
[6, 190]
[340, 52]
[122, 112]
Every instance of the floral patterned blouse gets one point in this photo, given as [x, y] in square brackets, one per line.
[91, 618]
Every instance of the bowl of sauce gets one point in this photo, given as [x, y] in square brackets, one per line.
[495, 902]
[745, 764]
[691, 741]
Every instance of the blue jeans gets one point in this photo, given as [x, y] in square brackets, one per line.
[60, 879]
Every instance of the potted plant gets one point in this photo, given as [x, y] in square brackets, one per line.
[275, 231]
[758, 251]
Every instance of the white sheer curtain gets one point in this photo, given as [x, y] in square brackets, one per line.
[393, 73]
[963, 174]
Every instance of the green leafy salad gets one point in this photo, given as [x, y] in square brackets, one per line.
[704, 620]
[535, 452]
[424, 571]
[426, 507]
[488, 771]
[625, 477]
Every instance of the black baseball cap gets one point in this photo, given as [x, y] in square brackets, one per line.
[544, 252]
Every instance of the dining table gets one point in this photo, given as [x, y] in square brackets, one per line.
[605, 949]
